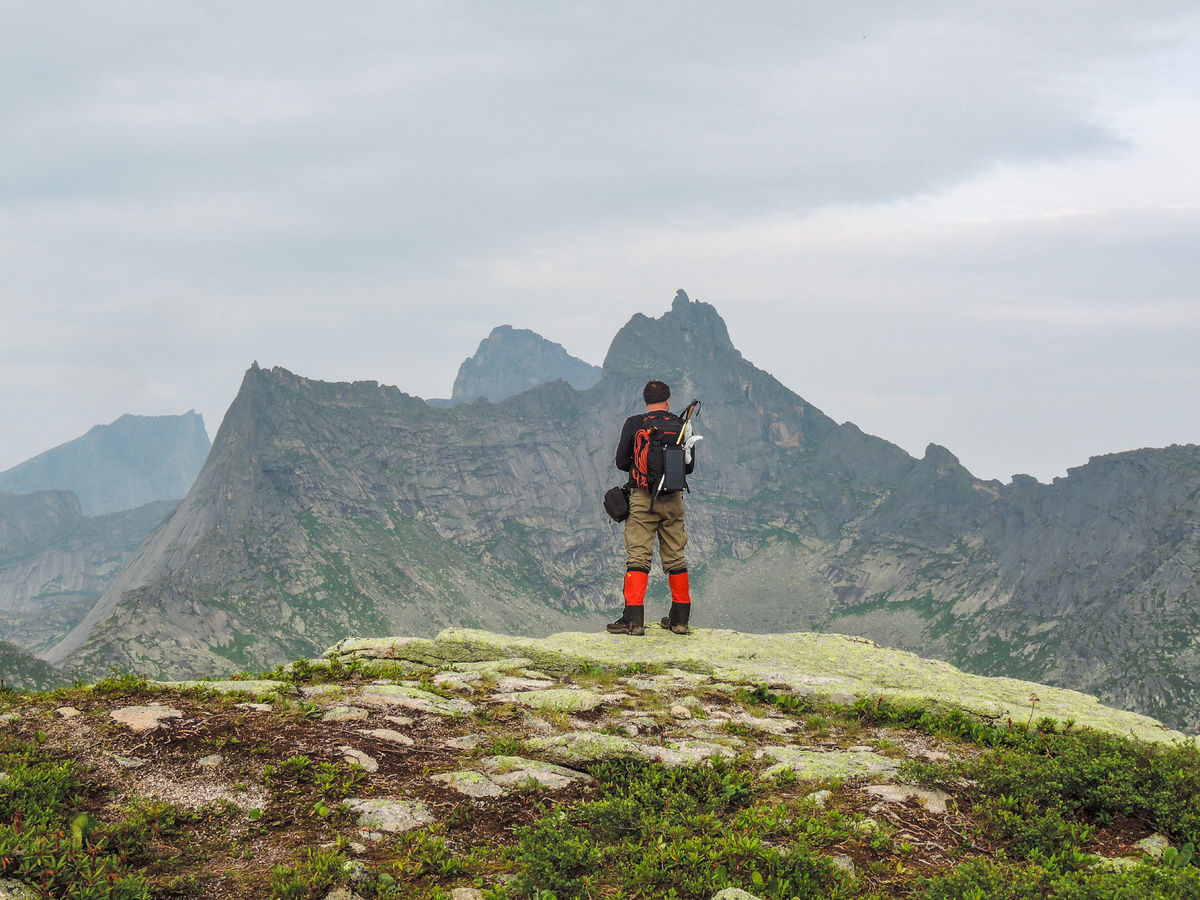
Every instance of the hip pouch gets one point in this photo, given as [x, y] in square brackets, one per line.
[616, 503]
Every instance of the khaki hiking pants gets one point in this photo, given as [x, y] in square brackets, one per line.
[665, 521]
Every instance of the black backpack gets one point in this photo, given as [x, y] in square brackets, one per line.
[658, 466]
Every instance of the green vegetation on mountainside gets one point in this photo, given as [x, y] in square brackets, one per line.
[21, 670]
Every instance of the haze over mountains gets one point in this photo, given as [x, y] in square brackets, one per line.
[131, 462]
[332, 509]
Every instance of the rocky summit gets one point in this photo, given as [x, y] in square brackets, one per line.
[510, 361]
[328, 509]
[710, 766]
[120, 466]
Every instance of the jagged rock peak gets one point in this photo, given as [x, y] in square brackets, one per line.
[691, 331]
[511, 360]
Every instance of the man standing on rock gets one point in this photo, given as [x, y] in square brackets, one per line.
[654, 512]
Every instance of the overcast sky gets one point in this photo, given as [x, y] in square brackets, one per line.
[975, 224]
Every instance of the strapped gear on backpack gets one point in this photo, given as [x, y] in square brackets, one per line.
[658, 463]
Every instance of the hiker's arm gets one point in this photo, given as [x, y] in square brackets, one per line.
[624, 459]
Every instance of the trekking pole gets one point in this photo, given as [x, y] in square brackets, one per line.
[689, 412]
[693, 409]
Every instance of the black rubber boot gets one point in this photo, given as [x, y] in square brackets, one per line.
[677, 620]
[632, 621]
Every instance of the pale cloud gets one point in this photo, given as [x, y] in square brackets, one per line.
[968, 223]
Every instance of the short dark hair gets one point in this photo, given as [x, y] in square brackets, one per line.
[656, 392]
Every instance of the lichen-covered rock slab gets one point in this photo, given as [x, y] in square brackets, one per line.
[835, 665]
[563, 699]
[816, 765]
[11, 889]
[470, 784]
[931, 799]
[513, 771]
[392, 816]
[390, 695]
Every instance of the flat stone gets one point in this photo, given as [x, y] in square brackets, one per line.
[373, 648]
[144, 718]
[734, 894]
[509, 684]
[68, 712]
[391, 816]
[701, 749]
[386, 734]
[1117, 863]
[470, 784]
[343, 893]
[816, 764]
[399, 720]
[457, 677]
[679, 711]
[1154, 846]
[931, 799]
[466, 893]
[385, 695]
[126, 762]
[466, 742]
[578, 747]
[351, 755]
[256, 707]
[537, 725]
[778, 726]
[493, 665]
[845, 863]
[456, 681]
[514, 771]
[585, 746]
[210, 762]
[345, 714]
[321, 690]
[563, 699]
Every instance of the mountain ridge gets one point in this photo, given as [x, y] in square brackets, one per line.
[316, 495]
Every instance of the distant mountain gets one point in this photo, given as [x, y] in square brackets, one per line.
[330, 509]
[512, 360]
[55, 562]
[133, 461]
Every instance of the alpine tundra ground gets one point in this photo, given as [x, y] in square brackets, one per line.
[481, 766]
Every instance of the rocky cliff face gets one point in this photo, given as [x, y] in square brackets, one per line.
[133, 461]
[55, 562]
[327, 509]
[512, 360]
